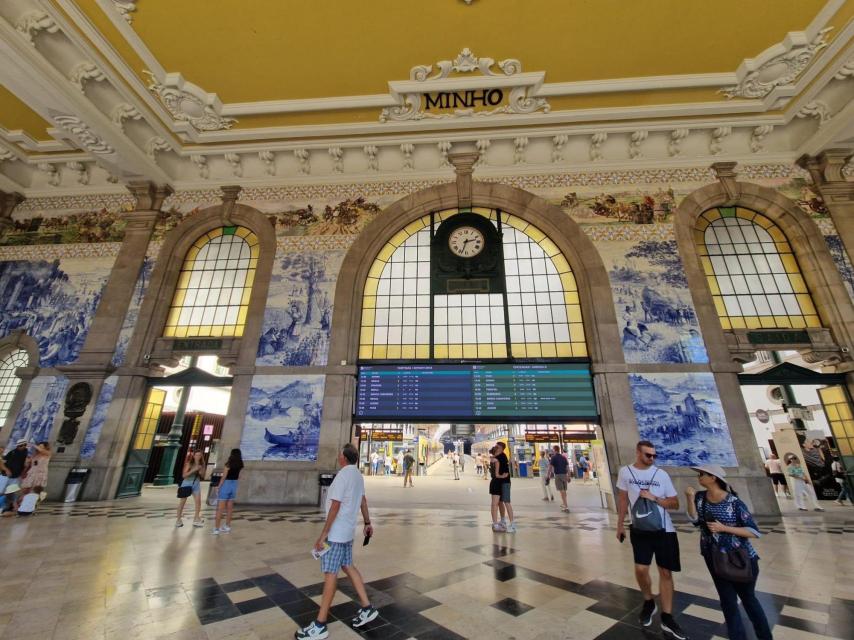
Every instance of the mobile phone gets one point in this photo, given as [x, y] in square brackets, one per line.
[708, 517]
[622, 537]
[367, 540]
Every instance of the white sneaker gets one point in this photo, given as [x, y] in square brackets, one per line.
[510, 528]
[497, 526]
[313, 630]
[198, 523]
[179, 523]
[225, 529]
[215, 532]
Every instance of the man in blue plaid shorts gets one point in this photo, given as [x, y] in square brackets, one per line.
[345, 499]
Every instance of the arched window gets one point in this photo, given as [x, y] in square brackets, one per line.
[9, 382]
[539, 315]
[212, 296]
[755, 279]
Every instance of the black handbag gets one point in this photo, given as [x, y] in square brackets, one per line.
[185, 492]
[734, 565]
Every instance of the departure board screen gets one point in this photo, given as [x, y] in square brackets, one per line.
[556, 392]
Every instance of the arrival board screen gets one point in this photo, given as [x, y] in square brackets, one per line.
[556, 392]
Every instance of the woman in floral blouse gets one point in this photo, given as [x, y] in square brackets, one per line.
[725, 520]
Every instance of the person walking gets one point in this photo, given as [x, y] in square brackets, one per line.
[502, 475]
[13, 466]
[545, 475]
[375, 463]
[726, 526]
[227, 492]
[478, 464]
[801, 484]
[455, 462]
[389, 460]
[36, 475]
[191, 485]
[839, 475]
[649, 492]
[408, 463]
[559, 469]
[345, 499]
[496, 507]
[778, 478]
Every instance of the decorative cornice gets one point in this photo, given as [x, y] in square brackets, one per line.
[674, 147]
[558, 143]
[635, 141]
[758, 136]
[155, 145]
[125, 8]
[596, 142]
[201, 163]
[269, 160]
[523, 88]
[816, 109]
[124, 111]
[84, 71]
[80, 169]
[53, 177]
[847, 71]
[87, 138]
[761, 75]
[33, 22]
[718, 135]
[188, 103]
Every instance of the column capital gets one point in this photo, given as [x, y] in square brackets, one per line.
[463, 164]
[230, 193]
[827, 166]
[149, 196]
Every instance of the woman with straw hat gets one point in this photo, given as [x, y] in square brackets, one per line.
[726, 527]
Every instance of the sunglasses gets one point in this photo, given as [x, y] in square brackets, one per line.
[651, 456]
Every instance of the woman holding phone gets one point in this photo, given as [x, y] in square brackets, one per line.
[726, 526]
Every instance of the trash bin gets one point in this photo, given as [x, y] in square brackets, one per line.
[325, 480]
[74, 484]
[523, 469]
[216, 478]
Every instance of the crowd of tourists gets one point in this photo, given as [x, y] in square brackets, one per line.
[23, 482]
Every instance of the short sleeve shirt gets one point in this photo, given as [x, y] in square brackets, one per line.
[774, 466]
[560, 464]
[348, 487]
[633, 480]
[503, 467]
[16, 459]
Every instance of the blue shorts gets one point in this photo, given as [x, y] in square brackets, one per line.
[197, 486]
[227, 490]
[339, 555]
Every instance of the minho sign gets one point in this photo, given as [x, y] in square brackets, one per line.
[465, 87]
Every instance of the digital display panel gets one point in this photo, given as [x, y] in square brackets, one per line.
[557, 392]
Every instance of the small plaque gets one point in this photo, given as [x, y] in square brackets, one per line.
[194, 344]
[468, 285]
[778, 337]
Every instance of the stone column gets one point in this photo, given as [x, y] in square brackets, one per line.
[835, 190]
[93, 364]
[8, 202]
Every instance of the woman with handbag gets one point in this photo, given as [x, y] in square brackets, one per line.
[191, 485]
[726, 526]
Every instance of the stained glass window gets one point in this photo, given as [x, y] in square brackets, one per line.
[539, 317]
[212, 297]
[753, 274]
[837, 409]
[9, 382]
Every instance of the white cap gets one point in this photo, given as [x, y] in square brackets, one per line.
[712, 470]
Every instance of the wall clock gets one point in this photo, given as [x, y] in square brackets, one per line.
[466, 242]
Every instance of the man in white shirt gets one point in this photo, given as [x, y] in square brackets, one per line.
[375, 460]
[346, 497]
[643, 480]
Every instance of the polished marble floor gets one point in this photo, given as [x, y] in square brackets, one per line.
[435, 570]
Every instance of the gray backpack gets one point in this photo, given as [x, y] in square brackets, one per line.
[646, 515]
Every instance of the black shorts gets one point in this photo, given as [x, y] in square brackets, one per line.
[495, 487]
[778, 478]
[663, 545]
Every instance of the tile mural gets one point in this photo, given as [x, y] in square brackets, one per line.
[653, 303]
[843, 263]
[53, 302]
[42, 403]
[132, 314]
[83, 227]
[298, 314]
[283, 418]
[681, 414]
[99, 416]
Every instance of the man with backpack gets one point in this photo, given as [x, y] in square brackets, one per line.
[649, 492]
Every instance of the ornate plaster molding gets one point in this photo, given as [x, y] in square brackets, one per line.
[201, 163]
[155, 145]
[188, 103]
[847, 71]
[482, 147]
[124, 111]
[33, 22]
[777, 66]
[408, 95]
[236, 163]
[558, 143]
[816, 109]
[125, 8]
[83, 72]
[303, 157]
[87, 138]
[337, 156]
[53, 177]
[269, 160]
[444, 147]
[80, 170]
[520, 145]
[371, 154]
[596, 142]
[407, 149]
[758, 136]
[718, 135]
[677, 137]
[635, 141]
[6, 156]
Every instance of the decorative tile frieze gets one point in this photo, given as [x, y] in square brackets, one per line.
[60, 251]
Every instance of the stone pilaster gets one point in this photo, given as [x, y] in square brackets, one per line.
[464, 167]
[835, 190]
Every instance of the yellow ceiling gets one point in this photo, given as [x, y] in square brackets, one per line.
[283, 49]
[15, 115]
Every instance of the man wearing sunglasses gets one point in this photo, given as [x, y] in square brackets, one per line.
[653, 487]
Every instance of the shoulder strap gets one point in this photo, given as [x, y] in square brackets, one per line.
[629, 469]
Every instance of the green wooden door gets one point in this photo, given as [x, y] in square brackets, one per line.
[140, 449]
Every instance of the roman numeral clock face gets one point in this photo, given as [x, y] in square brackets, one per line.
[466, 242]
